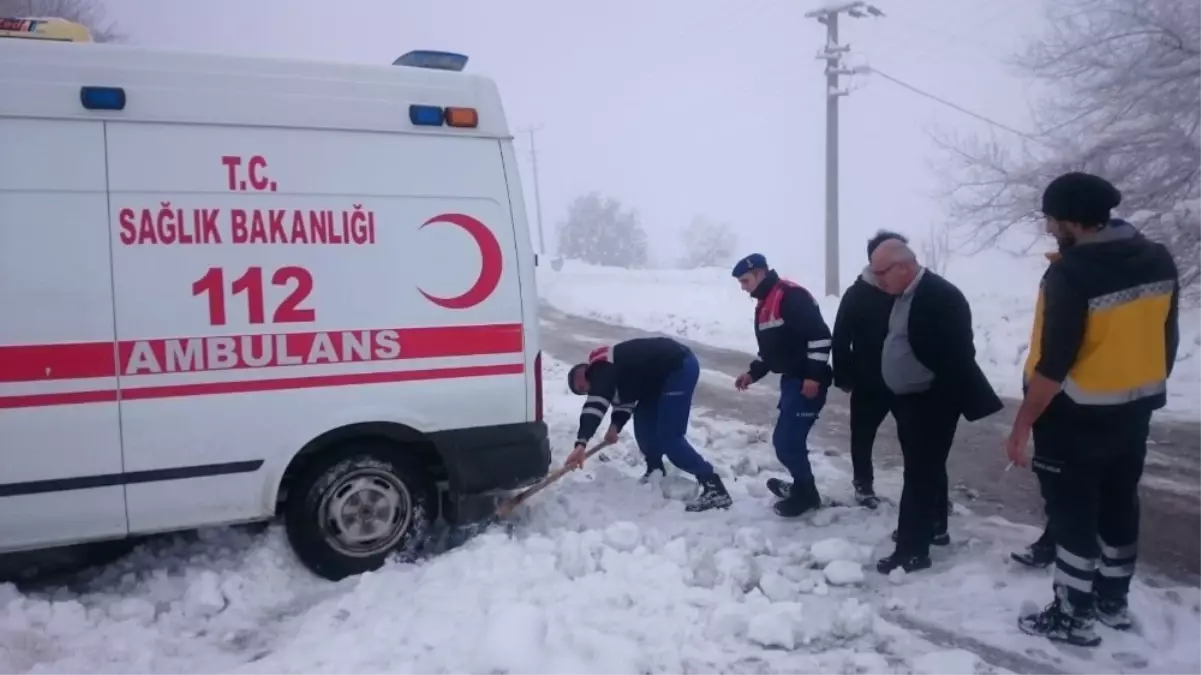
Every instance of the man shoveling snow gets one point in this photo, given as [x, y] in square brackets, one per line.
[659, 376]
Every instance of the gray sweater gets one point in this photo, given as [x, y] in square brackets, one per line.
[902, 371]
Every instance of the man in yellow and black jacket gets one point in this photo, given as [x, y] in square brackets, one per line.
[1104, 340]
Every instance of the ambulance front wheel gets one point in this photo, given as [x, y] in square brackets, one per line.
[351, 509]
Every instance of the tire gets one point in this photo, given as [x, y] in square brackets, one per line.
[358, 475]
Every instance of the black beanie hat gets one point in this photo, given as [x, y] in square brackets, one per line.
[1081, 198]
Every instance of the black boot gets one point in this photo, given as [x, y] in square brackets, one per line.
[1059, 623]
[798, 501]
[713, 496]
[909, 563]
[779, 488]
[1039, 554]
[865, 495]
[646, 476]
[1114, 612]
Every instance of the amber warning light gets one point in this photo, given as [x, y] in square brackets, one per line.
[53, 29]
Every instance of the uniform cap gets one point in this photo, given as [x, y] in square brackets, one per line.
[754, 261]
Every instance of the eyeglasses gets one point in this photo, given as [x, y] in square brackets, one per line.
[884, 271]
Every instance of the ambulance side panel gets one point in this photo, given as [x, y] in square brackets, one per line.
[60, 435]
[529, 289]
[274, 284]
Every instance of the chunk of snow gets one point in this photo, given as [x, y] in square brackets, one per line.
[67, 617]
[854, 618]
[737, 567]
[623, 536]
[776, 627]
[575, 556]
[951, 662]
[757, 490]
[727, 620]
[678, 488]
[843, 573]
[752, 540]
[676, 551]
[807, 584]
[514, 639]
[827, 551]
[132, 609]
[866, 662]
[776, 588]
[203, 597]
[745, 466]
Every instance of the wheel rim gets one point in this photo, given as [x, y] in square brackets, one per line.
[365, 513]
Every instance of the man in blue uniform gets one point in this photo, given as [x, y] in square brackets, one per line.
[794, 341]
[654, 380]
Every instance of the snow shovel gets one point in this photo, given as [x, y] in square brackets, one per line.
[506, 507]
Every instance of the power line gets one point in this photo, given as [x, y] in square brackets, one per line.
[951, 105]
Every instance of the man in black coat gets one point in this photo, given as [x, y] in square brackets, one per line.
[860, 327]
[929, 364]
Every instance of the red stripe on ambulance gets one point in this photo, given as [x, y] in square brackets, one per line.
[74, 361]
[146, 357]
[251, 386]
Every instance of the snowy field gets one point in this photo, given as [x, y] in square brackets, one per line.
[707, 306]
[598, 575]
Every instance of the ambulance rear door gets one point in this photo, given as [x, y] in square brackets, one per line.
[61, 471]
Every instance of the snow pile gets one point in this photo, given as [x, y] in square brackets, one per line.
[599, 574]
[706, 305]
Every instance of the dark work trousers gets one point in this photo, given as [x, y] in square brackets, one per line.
[791, 436]
[1044, 447]
[1092, 470]
[661, 422]
[926, 424]
[869, 407]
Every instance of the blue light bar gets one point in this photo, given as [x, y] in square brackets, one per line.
[102, 98]
[426, 115]
[425, 58]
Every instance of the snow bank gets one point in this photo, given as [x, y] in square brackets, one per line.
[599, 574]
[707, 306]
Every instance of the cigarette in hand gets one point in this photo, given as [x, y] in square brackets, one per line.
[1007, 468]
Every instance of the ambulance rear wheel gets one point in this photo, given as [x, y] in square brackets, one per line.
[351, 509]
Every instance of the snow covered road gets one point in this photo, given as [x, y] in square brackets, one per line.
[1171, 483]
[598, 574]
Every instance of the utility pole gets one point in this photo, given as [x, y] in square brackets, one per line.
[532, 131]
[833, 54]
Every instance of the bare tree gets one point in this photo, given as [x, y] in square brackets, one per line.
[1121, 98]
[90, 13]
[936, 249]
[598, 230]
[707, 243]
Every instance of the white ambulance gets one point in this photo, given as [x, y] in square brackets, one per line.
[233, 288]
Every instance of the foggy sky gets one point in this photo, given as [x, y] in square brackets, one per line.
[677, 107]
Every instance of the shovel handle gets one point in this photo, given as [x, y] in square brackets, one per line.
[506, 507]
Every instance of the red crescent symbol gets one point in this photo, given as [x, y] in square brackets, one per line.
[490, 268]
